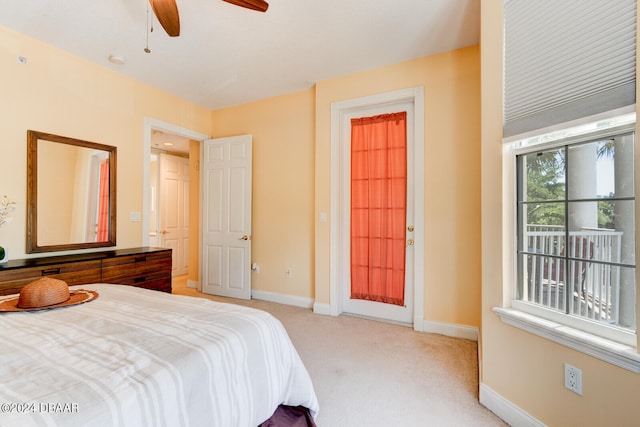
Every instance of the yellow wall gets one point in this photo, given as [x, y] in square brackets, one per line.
[282, 213]
[523, 368]
[59, 93]
[451, 168]
[291, 137]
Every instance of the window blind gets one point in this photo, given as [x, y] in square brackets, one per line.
[565, 60]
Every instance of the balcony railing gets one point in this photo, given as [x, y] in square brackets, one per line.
[592, 278]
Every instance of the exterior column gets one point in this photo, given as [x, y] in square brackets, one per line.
[582, 184]
[624, 222]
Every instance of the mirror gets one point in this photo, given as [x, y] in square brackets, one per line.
[71, 193]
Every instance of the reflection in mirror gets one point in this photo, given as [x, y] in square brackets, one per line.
[71, 186]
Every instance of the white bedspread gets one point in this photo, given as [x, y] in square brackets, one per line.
[135, 357]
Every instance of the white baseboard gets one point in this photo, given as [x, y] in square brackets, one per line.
[451, 330]
[320, 308]
[283, 299]
[448, 329]
[510, 413]
[192, 284]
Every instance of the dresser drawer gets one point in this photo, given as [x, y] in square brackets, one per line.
[156, 284]
[151, 271]
[74, 273]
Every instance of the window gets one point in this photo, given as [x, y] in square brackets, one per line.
[576, 231]
[568, 164]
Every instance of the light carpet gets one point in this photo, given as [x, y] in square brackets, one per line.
[377, 374]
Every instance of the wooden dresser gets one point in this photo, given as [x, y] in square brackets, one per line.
[144, 267]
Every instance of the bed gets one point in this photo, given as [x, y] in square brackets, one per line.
[136, 357]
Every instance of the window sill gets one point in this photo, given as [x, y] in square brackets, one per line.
[612, 352]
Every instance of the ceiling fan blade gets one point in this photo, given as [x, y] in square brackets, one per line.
[167, 13]
[259, 5]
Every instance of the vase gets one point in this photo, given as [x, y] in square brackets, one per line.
[4, 256]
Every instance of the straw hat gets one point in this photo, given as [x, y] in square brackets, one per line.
[46, 293]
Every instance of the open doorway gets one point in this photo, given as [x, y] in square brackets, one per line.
[171, 174]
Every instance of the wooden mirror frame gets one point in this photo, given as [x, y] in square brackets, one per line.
[32, 193]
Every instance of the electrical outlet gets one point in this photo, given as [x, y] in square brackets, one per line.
[573, 378]
[288, 273]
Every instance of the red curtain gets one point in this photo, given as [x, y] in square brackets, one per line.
[378, 207]
[103, 203]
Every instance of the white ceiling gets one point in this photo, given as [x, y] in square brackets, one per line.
[226, 55]
[168, 142]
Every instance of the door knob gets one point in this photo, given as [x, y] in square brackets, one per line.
[410, 228]
[164, 232]
[245, 237]
[410, 242]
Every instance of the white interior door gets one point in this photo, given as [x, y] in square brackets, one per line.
[226, 216]
[174, 210]
[361, 307]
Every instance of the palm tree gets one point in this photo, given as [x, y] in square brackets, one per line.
[606, 148]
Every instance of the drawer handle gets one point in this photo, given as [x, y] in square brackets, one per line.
[139, 279]
[51, 271]
[141, 259]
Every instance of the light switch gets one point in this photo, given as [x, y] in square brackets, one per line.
[134, 216]
[323, 217]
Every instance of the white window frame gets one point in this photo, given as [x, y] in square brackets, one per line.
[610, 344]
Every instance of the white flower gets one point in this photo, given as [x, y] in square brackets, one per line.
[7, 207]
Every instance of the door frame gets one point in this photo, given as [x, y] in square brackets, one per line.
[151, 124]
[338, 109]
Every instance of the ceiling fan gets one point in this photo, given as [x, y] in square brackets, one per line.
[167, 12]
